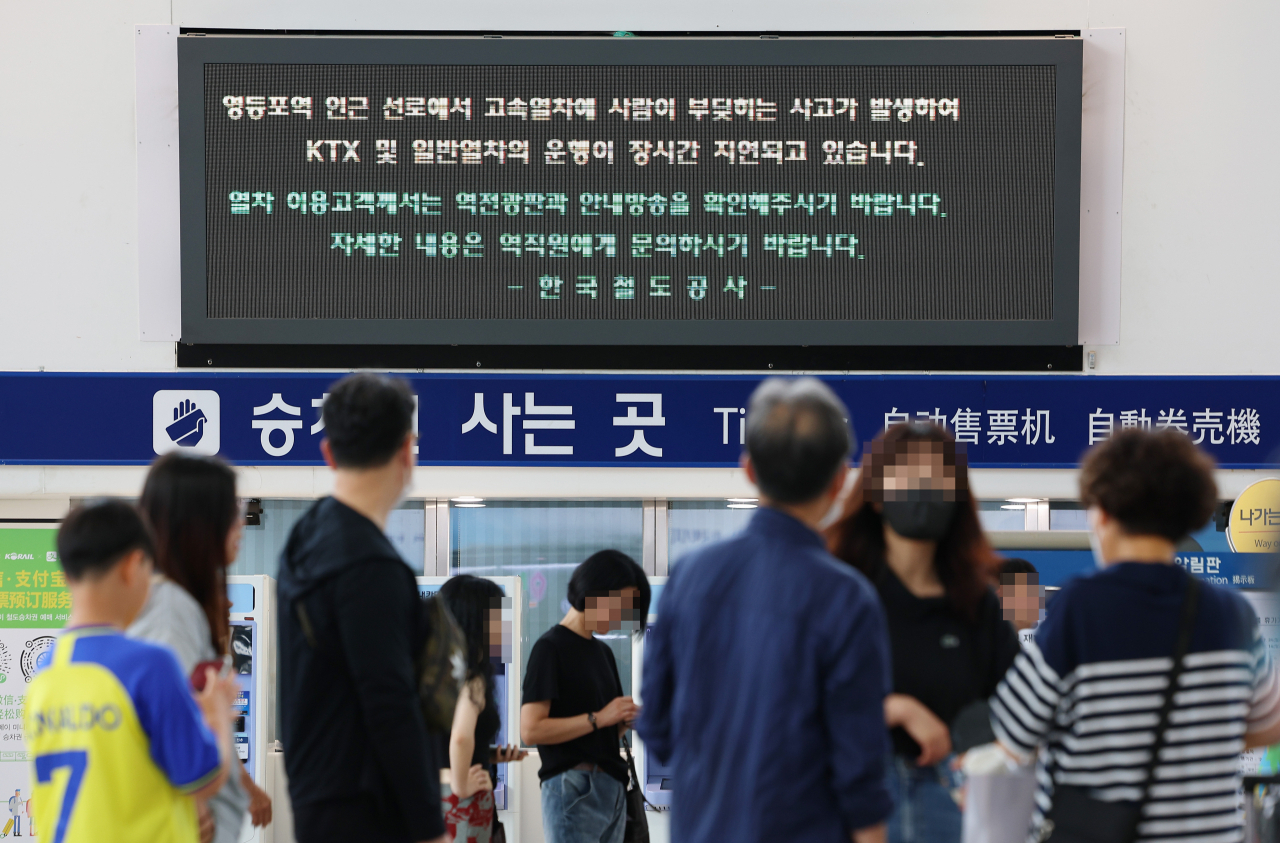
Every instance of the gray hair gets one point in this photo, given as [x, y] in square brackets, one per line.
[798, 436]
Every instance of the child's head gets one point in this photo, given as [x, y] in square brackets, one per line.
[106, 547]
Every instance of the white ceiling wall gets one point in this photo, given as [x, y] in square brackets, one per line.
[1197, 290]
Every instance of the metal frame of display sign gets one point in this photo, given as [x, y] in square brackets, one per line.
[196, 54]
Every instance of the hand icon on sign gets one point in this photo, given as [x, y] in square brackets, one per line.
[188, 424]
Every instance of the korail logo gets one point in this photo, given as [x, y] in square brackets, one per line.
[30, 556]
[186, 419]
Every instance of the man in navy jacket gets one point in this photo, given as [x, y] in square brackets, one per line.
[766, 673]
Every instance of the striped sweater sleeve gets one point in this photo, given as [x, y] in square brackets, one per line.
[1023, 707]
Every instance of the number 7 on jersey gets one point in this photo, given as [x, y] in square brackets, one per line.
[74, 760]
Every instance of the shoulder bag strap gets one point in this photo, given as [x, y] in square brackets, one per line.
[631, 766]
[1186, 626]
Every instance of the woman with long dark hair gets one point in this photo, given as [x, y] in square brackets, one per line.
[191, 503]
[465, 785]
[911, 526]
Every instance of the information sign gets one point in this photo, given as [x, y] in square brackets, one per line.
[657, 192]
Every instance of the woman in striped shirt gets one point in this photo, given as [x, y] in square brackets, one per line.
[1090, 688]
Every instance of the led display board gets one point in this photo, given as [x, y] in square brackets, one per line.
[597, 191]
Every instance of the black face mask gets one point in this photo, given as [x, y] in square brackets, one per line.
[927, 519]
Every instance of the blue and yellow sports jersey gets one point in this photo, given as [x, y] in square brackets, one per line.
[117, 742]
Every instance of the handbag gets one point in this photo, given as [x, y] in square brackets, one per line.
[972, 727]
[1076, 816]
[637, 830]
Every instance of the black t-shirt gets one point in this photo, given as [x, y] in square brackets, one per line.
[487, 726]
[578, 675]
[941, 659]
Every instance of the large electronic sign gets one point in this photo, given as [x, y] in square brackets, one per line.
[598, 191]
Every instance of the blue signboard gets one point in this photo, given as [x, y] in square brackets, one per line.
[614, 420]
[1246, 571]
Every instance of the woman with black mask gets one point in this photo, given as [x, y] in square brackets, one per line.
[911, 526]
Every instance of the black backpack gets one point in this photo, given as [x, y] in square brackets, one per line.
[442, 666]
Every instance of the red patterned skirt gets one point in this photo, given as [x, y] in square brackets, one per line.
[467, 820]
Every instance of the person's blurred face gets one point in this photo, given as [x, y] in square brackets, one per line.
[498, 631]
[1021, 599]
[608, 612]
[920, 465]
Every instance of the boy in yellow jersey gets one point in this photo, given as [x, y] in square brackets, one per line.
[119, 745]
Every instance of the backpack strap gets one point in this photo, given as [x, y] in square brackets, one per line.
[304, 621]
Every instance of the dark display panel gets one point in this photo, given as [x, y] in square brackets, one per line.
[605, 202]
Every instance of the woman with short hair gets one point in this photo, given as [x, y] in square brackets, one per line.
[1091, 690]
[573, 706]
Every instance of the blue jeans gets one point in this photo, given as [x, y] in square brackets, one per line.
[924, 810]
[583, 807]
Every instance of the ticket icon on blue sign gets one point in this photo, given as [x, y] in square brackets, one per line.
[186, 419]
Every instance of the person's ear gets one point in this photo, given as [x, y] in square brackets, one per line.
[838, 481]
[406, 449]
[745, 462]
[136, 565]
[327, 453]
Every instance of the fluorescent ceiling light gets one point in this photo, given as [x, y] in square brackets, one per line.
[1024, 500]
[466, 499]
[743, 500]
[742, 506]
[1013, 506]
[469, 506]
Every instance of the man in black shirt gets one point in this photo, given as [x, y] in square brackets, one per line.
[573, 706]
[360, 764]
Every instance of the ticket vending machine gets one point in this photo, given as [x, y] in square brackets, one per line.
[253, 654]
[506, 675]
[656, 777]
